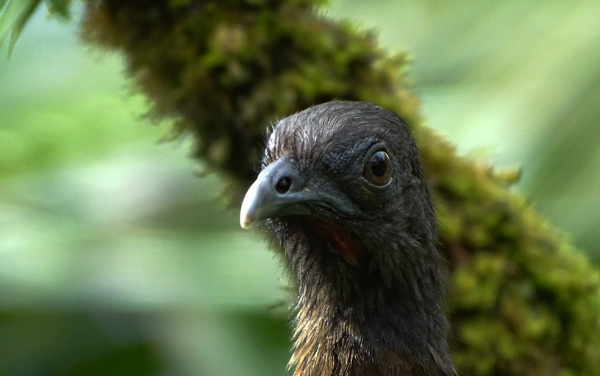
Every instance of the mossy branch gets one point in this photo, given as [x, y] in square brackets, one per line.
[521, 300]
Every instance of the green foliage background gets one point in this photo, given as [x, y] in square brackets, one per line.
[113, 254]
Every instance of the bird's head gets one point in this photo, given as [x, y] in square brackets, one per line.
[345, 178]
[343, 193]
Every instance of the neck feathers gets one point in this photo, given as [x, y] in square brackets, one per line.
[363, 321]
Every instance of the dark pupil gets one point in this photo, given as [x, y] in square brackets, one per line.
[378, 164]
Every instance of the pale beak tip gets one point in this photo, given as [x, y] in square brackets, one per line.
[247, 215]
[245, 222]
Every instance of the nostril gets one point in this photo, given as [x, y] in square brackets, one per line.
[283, 185]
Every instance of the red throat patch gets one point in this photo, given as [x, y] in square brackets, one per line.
[339, 239]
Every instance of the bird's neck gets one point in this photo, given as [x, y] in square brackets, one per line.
[380, 317]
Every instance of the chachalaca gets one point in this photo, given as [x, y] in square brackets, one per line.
[342, 193]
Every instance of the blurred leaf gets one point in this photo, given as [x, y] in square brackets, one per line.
[14, 18]
[15, 15]
[20, 25]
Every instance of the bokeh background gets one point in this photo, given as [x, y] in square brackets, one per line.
[118, 254]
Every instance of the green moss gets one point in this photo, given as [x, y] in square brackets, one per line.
[521, 300]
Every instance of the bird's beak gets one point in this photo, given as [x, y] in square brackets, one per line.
[279, 190]
[269, 196]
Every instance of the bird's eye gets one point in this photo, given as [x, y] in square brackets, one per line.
[378, 170]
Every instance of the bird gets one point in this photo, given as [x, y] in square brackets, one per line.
[342, 196]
